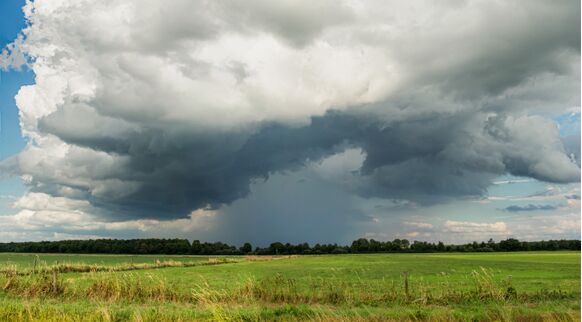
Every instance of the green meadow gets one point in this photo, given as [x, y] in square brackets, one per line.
[525, 286]
[25, 260]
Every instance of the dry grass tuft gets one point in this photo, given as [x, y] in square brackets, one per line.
[132, 287]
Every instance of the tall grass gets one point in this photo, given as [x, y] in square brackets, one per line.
[68, 267]
[276, 289]
[127, 286]
[37, 285]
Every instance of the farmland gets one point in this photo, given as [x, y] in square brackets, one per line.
[526, 286]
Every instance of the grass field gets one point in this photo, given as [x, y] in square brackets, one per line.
[25, 261]
[534, 286]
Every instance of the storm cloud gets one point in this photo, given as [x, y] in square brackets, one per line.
[138, 118]
[530, 207]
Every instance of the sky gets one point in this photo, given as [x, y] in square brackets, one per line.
[264, 121]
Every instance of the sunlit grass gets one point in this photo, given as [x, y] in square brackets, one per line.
[439, 287]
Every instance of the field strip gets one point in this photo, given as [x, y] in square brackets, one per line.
[85, 268]
[93, 268]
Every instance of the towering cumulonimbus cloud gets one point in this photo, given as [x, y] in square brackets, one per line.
[151, 110]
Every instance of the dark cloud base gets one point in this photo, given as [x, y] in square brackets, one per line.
[427, 159]
[530, 207]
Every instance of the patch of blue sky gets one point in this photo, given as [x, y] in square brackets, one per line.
[11, 23]
[569, 123]
[506, 186]
[519, 191]
[11, 141]
[11, 20]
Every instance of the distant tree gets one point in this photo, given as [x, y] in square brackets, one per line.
[510, 244]
[441, 247]
[360, 245]
[196, 248]
[276, 248]
[339, 250]
[246, 248]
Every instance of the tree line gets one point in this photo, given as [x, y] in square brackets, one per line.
[362, 245]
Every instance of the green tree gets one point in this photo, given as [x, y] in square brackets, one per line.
[246, 248]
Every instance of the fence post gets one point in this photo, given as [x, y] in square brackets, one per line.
[406, 290]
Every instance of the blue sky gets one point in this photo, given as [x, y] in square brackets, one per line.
[11, 141]
[217, 127]
[11, 23]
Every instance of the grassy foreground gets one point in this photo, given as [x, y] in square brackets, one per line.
[535, 286]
